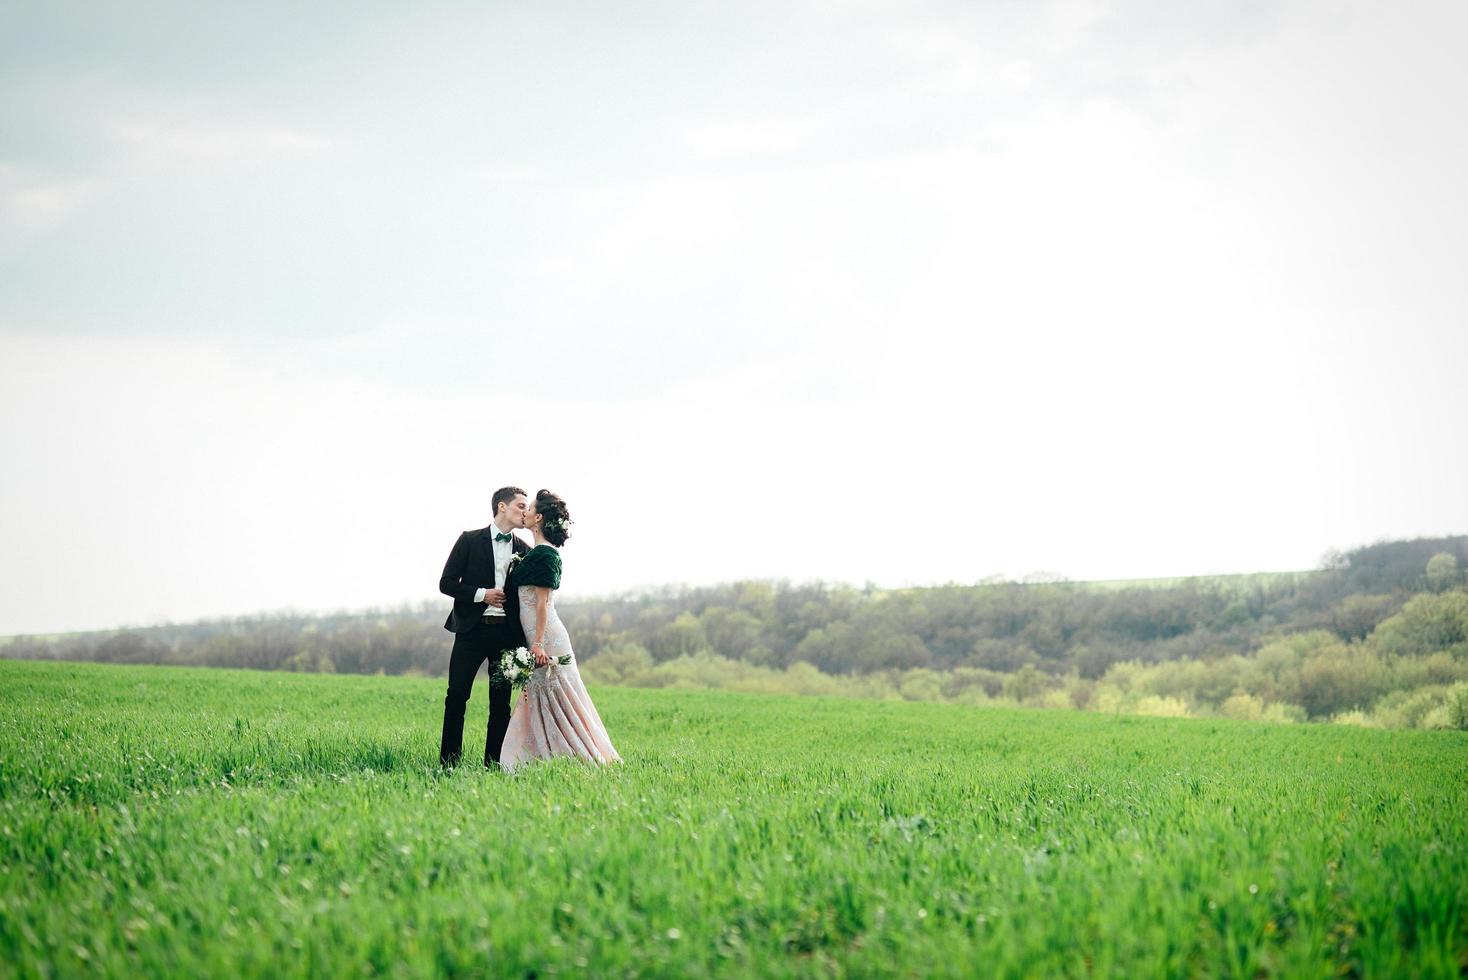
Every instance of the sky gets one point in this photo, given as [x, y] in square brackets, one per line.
[899, 293]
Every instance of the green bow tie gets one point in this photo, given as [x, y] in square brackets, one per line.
[501, 536]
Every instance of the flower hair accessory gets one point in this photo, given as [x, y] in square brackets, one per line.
[558, 524]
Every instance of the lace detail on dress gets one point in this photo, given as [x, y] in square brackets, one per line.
[554, 715]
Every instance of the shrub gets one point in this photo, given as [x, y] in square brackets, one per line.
[1438, 717]
[1107, 697]
[1457, 705]
[804, 678]
[1435, 668]
[1409, 709]
[1057, 699]
[682, 637]
[1161, 707]
[1340, 678]
[1024, 683]
[921, 684]
[1427, 624]
[1442, 571]
[1244, 706]
[1357, 615]
[1124, 676]
[1282, 712]
[961, 683]
[1273, 673]
[625, 665]
[1080, 692]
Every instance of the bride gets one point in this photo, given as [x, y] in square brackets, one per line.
[555, 715]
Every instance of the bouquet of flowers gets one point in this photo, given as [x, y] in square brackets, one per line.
[515, 665]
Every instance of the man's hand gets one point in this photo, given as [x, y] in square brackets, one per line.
[495, 597]
[540, 658]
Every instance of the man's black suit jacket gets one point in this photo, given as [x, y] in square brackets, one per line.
[471, 567]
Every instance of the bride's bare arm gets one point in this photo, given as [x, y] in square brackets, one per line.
[537, 647]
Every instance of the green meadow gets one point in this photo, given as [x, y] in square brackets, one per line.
[192, 822]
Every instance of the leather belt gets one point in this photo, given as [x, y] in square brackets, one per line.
[490, 620]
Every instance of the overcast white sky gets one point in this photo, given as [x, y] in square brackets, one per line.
[896, 292]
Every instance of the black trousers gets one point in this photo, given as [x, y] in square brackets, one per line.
[483, 642]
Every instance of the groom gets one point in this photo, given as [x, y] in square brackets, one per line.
[474, 577]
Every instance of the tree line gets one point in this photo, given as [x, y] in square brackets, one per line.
[1356, 640]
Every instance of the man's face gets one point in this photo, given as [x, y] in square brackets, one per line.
[516, 510]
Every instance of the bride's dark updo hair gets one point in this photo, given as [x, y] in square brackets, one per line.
[557, 519]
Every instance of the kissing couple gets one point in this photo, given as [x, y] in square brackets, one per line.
[503, 591]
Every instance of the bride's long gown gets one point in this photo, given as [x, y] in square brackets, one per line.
[555, 715]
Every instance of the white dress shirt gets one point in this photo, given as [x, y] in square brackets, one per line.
[502, 552]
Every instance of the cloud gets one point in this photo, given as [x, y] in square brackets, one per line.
[33, 204]
[749, 138]
[1182, 29]
[166, 140]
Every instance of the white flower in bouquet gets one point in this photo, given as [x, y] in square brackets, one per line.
[516, 665]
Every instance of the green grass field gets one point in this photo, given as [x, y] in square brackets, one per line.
[163, 821]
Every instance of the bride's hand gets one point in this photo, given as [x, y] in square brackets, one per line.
[540, 658]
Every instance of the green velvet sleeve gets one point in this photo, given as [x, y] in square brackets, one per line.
[540, 566]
